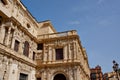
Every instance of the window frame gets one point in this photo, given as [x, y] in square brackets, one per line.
[16, 45]
[23, 75]
[26, 48]
[40, 46]
[33, 56]
[59, 53]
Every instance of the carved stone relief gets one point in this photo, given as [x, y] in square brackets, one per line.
[39, 56]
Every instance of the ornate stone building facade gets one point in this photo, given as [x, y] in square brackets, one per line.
[111, 76]
[31, 50]
[96, 73]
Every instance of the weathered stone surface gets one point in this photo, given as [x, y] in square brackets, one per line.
[20, 35]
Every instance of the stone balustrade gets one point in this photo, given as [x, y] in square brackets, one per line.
[56, 35]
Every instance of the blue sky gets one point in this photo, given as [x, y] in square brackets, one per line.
[96, 21]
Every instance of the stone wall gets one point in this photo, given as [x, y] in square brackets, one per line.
[73, 65]
[10, 69]
[18, 46]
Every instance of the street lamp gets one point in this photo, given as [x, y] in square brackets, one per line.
[116, 68]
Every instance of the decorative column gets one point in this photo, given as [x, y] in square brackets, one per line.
[1, 67]
[50, 54]
[44, 75]
[65, 53]
[71, 74]
[5, 68]
[74, 50]
[13, 39]
[69, 52]
[7, 34]
[2, 33]
[45, 54]
[53, 54]
[10, 38]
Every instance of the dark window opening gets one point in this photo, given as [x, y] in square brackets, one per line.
[38, 78]
[59, 54]
[59, 77]
[93, 75]
[6, 33]
[16, 45]
[40, 46]
[23, 76]
[33, 56]
[4, 2]
[28, 26]
[26, 49]
[0, 20]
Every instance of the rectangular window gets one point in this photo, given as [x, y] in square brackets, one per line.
[23, 76]
[33, 56]
[93, 75]
[59, 54]
[16, 45]
[40, 46]
[26, 49]
[0, 20]
[38, 78]
[6, 34]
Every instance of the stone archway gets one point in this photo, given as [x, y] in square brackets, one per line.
[59, 77]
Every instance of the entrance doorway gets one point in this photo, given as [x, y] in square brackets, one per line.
[38, 78]
[59, 77]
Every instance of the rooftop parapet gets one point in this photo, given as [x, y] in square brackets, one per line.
[57, 35]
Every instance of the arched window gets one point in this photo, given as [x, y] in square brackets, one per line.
[26, 49]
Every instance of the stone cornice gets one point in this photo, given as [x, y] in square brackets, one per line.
[54, 65]
[22, 6]
[24, 29]
[17, 56]
[58, 38]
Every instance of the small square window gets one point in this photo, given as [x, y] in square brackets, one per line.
[23, 76]
[59, 54]
[40, 46]
[38, 78]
